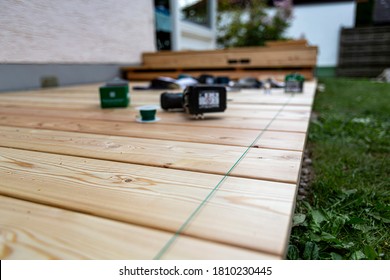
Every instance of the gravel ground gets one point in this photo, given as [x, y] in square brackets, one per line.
[306, 176]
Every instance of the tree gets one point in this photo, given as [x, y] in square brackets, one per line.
[248, 23]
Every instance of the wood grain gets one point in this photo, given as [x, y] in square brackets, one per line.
[79, 182]
[261, 62]
[32, 231]
[284, 44]
[154, 197]
[147, 74]
[261, 57]
[91, 99]
[216, 159]
[211, 120]
[251, 111]
[234, 137]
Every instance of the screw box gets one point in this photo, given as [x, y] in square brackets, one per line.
[294, 83]
[114, 94]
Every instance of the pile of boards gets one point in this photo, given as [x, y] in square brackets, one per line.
[276, 59]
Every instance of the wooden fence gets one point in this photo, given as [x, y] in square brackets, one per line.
[364, 52]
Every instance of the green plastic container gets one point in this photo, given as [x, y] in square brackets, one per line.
[115, 94]
[294, 83]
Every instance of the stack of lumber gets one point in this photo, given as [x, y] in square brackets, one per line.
[364, 51]
[276, 60]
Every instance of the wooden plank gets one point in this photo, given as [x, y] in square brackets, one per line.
[368, 35]
[91, 92]
[217, 120]
[363, 52]
[272, 107]
[287, 43]
[136, 100]
[258, 57]
[248, 213]
[215, 135]
[252, 111]
[269, 44]
[119, 114]
[87, 100]
[122, 114]
[257, 98]
[259, 62]
[249, 112]
[33, 231]
[214, 120]
[90, 95]
[81, 158]
[365, 61]
[276, 165]
[360, 71]
[142, 74]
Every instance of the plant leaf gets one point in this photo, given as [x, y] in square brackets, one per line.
[292, 252]
[349, 192]
[311, 251]
[314, 237]
[358, 255]
[298, 219]
[370, 253]
[335, 256]
[344, 245]
[337, 225]
[318, 217]
[329, 237]
[356, 220]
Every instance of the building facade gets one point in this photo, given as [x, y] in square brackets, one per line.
[185, 24]
[320, 22]
[74, 41]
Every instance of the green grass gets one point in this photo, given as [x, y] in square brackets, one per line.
[347, 215]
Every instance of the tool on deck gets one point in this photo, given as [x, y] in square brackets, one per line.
[114, 93]
[196, 100]
[294, 83]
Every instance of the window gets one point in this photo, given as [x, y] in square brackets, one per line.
[195, 11]
[163, 24]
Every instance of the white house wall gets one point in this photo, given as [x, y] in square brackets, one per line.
[193, 37]
[76, 31]
[320, 24]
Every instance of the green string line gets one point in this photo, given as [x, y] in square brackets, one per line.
[206, 199]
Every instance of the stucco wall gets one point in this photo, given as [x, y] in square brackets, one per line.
[320, 24]
[75, 31]
[194, 37]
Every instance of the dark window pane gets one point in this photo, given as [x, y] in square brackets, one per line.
[196, 11]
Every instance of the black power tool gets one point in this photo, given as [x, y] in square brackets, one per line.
[196, 100]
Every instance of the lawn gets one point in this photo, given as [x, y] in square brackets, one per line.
[347, 212]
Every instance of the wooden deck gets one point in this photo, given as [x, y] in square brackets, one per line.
[80, 182]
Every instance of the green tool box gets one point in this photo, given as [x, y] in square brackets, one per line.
[294, 83]
[115, 94]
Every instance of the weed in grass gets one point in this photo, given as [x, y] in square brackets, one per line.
[348, 214]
